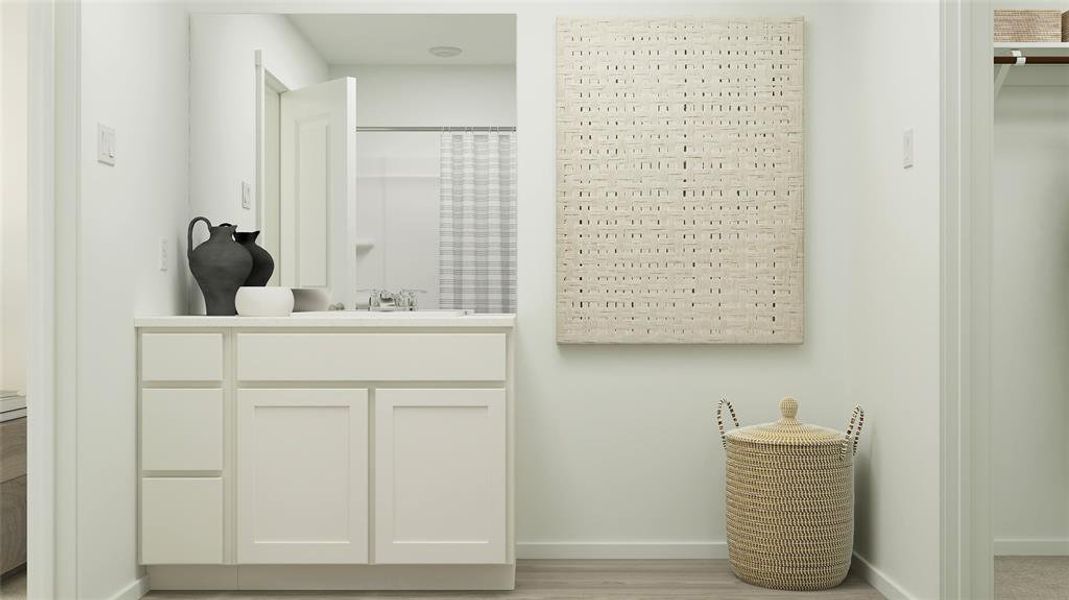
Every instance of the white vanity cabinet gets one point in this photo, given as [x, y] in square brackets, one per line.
[370, 452]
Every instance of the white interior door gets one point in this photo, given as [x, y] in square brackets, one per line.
[440, 484]
[318, 187]
[302, 476]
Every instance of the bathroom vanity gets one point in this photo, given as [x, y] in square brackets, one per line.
[326, 451]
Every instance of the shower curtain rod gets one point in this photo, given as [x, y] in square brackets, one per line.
[437, 129]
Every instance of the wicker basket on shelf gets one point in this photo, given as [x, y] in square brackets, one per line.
[1028, 26]
[790, 500]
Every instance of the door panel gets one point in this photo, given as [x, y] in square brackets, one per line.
[313, 201]
[302, 476]
[440, 459]
[318, 187]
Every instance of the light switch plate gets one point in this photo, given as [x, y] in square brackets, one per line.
[246, 195]
[907, 149]
[105, 144]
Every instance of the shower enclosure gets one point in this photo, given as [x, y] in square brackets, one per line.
[436, 213]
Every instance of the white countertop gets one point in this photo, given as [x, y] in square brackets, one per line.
[339, 319]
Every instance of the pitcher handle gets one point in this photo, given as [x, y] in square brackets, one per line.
[720, 419]
[857, 419]
[189, 233]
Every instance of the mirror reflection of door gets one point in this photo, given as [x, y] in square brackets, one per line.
[309, 184]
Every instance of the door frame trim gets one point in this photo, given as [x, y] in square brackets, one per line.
[53, 138]
[264, 77]
[967, 89]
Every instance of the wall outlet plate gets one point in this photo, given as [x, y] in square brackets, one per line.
[246, 195]
[105, 144]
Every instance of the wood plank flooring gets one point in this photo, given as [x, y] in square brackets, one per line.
[589, 580]
[13, 585]
[1016, 578]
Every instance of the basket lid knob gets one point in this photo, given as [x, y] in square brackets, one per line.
[788, 407]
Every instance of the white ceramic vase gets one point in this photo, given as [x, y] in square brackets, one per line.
[261, 301]
[310, 299]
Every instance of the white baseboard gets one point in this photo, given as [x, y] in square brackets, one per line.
[1032, 547]
[333, 577]
[621, 550]
[134, 591]
[879, 580]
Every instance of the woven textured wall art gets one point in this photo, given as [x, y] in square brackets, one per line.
[679, 180]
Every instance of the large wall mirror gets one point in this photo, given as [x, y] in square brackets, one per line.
[376, 154]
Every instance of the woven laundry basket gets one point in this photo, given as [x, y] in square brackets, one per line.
[1015, 25]
[790, 500]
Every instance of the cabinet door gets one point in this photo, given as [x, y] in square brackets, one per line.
[440, 486]
[302, 480]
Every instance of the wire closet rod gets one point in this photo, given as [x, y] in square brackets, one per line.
[438, 129]
[1032, 60]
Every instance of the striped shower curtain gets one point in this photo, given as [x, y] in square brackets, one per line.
[477, 237]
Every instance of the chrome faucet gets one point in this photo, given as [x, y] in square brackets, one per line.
[385, 300]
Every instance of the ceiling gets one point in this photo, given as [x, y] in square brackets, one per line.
[404, 39]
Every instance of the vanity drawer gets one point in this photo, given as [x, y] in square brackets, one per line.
[181, 520]
[181, 357]
[371, 357]
[181, 430]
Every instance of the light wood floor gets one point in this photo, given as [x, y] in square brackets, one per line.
[1016, 578]
[563, 580]
[590, 580]
[13, 585]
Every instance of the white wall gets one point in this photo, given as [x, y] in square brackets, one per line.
[894, 280]
[397, 210]
[1030, 314]
[617, 450]
[397, 173]
[13, 196]
[432, 95]
[617, 444]
[134, 65]
[222, 104]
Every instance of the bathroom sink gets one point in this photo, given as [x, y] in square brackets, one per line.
[366, 314]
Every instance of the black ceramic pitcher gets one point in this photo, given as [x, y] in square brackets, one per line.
[220, 265]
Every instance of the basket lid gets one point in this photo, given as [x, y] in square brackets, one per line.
[788, 431]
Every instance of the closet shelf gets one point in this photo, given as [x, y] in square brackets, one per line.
[1004, 47]
[1031, 53]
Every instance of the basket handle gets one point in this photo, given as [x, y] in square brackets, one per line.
[853, 432]
[720, 419]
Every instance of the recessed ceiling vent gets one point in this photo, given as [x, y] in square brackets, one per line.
[445, 51]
